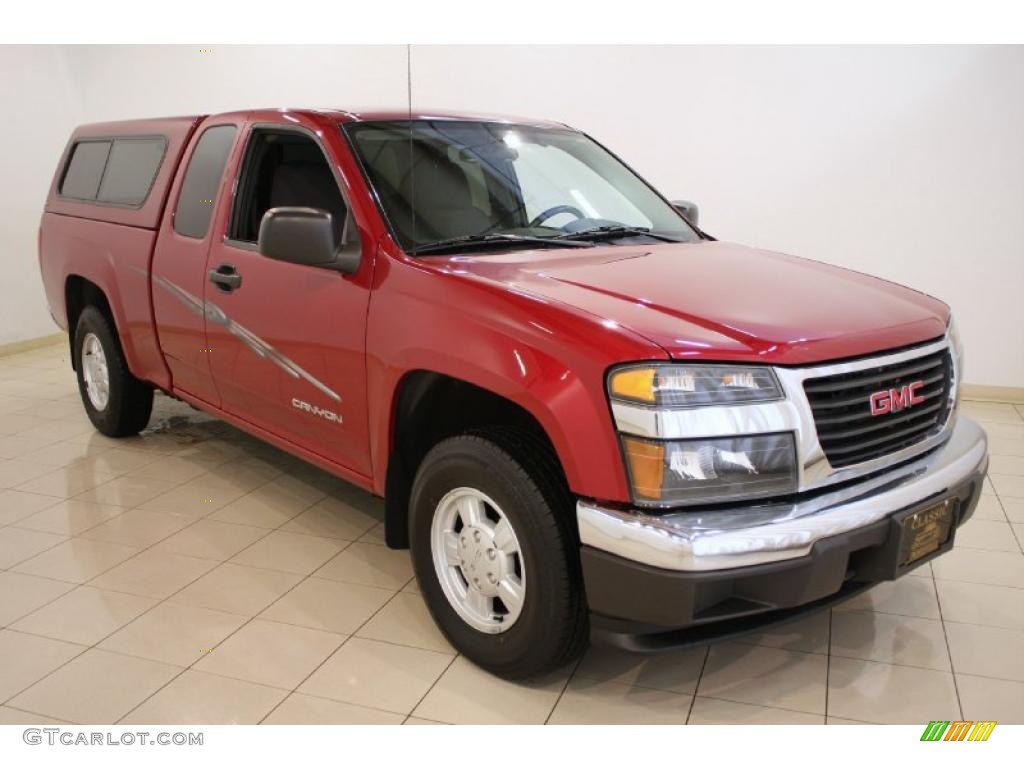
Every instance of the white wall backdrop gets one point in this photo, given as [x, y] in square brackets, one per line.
[904, 162]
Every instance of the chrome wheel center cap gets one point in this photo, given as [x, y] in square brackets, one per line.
[482, 562]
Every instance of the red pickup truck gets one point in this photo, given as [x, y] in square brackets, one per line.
[588, 418]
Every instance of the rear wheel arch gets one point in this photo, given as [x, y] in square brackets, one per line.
[80, 293]
[428, 407]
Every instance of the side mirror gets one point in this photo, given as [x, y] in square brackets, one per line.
[305, 236]
[689, 210]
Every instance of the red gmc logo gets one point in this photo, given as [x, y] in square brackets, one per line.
[892, 400]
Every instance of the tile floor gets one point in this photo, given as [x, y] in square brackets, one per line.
[194, 574]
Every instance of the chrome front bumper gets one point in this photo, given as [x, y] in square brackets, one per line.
[707, 540]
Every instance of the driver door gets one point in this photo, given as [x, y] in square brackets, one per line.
[287, 341]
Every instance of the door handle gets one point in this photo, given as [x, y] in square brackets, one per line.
[226, 278]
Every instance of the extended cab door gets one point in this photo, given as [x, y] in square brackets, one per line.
[287, 341]
[178, 269]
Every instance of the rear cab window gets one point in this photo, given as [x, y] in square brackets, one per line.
[113, 171]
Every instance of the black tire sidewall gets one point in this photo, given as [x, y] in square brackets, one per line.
[92, 321]
[480, 465]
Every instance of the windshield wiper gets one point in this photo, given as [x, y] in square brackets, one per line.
[612, 231]
[497, 238]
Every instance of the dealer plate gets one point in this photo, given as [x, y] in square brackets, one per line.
[926, 530]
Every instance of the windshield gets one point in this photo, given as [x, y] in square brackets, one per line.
[441, 180]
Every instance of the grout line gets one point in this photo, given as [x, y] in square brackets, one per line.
[696, 685]
[949, 654]
[828, 660]
[565, 685]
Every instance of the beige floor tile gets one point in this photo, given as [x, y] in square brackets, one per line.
[76, 560]
[410, 720]
[291, 552]
[66, 482]
[237, 589]
[982, 604]
[27, 659]
[267, 652]
[18, 505]
[1005, 445]
[405, 620]
[20, 594]
[269, 506]
[1006, 465]
[18, 545]
[467, 694]
[11, 716]
[174, 634]
[809, 634]
[374, 536]
[986, 651]
[328, 605]
[378, 675]
[718, 712]
[886, 693]
[196, 498]
[85, 615]
[171, 468]
[341, 515]
[1007, 485]
[986, 699]
[1003, 413]
[154, 574]
[676, 671]
[59, 454]
[844, 721]
[592, 702]
[765, 676]
[989, 508]
[19, 447]
[126, 491]
[58, 430]
[978, 566]
[211, 539]
[987, 534]
[198, 698]
[119, 461]
[370, 564]
[906, 596]
[300, 709]
[70, 517]
[1018, 531]
[14, 472]
[1014, 509]
[96, 687]
[892, 639]
[137, 527]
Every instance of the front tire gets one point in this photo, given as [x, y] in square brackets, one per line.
[117, 403]
[495, 553]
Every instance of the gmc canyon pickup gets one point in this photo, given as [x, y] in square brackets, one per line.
[588, 418]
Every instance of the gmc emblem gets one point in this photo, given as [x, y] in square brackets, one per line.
[892, 400]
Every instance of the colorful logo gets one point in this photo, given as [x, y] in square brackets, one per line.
[959, 730]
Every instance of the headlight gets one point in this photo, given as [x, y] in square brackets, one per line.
[663, 473]
[687, 386]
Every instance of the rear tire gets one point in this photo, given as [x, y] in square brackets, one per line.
[511, 482]
[117, 403]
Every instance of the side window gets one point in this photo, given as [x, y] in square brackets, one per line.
[284, 169]
[131, 168]
[85, 169]
[198, 190]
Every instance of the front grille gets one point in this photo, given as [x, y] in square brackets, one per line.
[841, 404]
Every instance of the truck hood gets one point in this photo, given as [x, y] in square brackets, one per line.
[720, 301]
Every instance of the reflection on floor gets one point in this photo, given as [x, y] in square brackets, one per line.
[194, 574]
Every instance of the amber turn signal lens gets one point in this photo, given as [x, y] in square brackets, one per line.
[633, 384]
[646, 467]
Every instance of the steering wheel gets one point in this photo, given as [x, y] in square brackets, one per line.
[550, 213]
